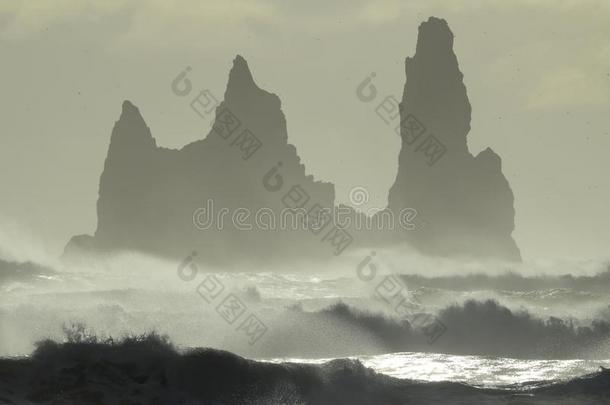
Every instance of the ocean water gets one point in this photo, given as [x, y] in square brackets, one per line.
[132, 295]
[478, 371]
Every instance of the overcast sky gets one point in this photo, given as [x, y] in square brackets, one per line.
[537, 74]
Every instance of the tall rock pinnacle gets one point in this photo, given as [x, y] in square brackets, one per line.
[464, 203]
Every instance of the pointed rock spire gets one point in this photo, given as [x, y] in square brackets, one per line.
[464, 203]
[240, 80]
[131, 131]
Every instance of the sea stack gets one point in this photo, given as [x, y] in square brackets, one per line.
[464, 202]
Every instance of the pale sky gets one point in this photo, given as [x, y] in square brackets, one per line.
[537, 74]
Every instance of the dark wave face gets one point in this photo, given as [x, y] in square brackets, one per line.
[488, 328]
[148, 370]
[330, 340]
[484, 328]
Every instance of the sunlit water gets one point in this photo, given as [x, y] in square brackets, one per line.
[473, 370]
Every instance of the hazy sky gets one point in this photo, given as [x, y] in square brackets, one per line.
[537, 74]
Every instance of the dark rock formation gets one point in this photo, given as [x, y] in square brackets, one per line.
[217, 195]
[464, 203]
[168, 202]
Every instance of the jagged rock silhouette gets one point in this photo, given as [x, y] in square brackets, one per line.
[149, 196]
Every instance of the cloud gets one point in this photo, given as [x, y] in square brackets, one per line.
[154, 20]
[27, 17]
[583, 80]
[385, 11]
[195, 23]
[569, 86]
